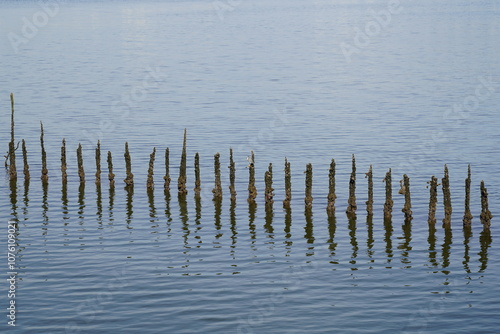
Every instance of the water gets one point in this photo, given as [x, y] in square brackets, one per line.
[283, 78]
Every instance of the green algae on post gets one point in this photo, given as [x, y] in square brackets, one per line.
[79, 157]
[252, 191]
[445, 181]
[467, 220]
[288, 185]
[217, 190]
[181, 182]
[197, 178]
[232, 175]
[111, 175]
[98, 163]
[369, 202]
[129, 180]
[45, 172]
[433, 184]
[388, 196]
[268, 180]
[405, 190]
[308, 194]
[26, 169]
[150, 182]
[351, 208]
[485, 212]
[331, 188]
[167, 179]
[64, 167]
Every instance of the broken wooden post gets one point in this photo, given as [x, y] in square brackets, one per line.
[45, 172]
[331, 189]
[351, 208]
[167, 171]
[79, 157]
[288, 185]
[433, 184]
[268, 180]
[405, 190]
[181, 182]
[369, 202]
[232, 176]
[388, 196]
[217, 190]
[150, 181]
[485, 212]
[12, 154]
[98, 163]
[252, 191]
[197, 178]
[467, 214]
[445, 181]
[129, 180]
[308, 195]
[111, 175]
[64, 167]
[26, 169]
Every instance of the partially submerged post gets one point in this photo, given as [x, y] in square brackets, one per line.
[181, 182]
[232, 176]
[388, 196]
[433, 184]
[45, 172]
[288, 185]
[98, 163]
[217, 191]
[150, 182]
[111, 175]
[129, 180]
[467, 214]
[167, 171]
[485, 212]
[308, 198]
[351, 208]
[405, 190]
[79, 157]
[197, 178]
[268, 180]
[252, 190]
[64, 167]
[331, 188]
[12, 154]
[445, 181]
[26, 169]
[369, 202]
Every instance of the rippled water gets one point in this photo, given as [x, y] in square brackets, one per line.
[282, 78]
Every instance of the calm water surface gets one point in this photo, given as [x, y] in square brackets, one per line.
[410, 87]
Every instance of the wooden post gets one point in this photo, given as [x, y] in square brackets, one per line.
[405, 190]
[64, 167]
[485, 212]
[181, 182]
[331, 189]
[150, 182]
[217, 190]
[45, 172]
[111, 176]
[308, 198]
[433, 184]
[351, 209]
[98, 163]
[167, 171]
[232, 176]
[197, 178]
[79, 157]
[268, 180]
[12, 149]
[388, 196]
[445, 181]
[26, 169]
[369, 202]
[252, 191]
[467, 214]
[129, 180]
[288, 185]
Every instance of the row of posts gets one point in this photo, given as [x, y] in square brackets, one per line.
[485, 215]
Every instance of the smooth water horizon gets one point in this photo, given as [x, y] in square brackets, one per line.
[406, 86]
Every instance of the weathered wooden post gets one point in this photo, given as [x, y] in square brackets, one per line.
[252, 190]
[26, 169]
[12, 149]
[405, 190]
[369, 202]
[150, 181]
[232, 176]
[98, 163]
[351, 209]
[64, 167]
[181, 182]
[45, 172]
[433, 184]
[166, 178]
[467, 214]
[129, 180]
[288, 185]
[79, 157]
[445, 181]
[197, 178]
[485, 212]
[331, 189]
[111, 175]
[268, 180]
[388, 196]
[308, 195]
[217, 190]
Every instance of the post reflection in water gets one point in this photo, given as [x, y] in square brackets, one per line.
[268, 226]
[252, 208]
[111, 204]
[197, 219]
[354, 243]
[467, 230]
[130, 207]
[431, 239]
[288, 225]
[217, 220]
[388, 239]
[153, 218]
[232, 219]
[13, 199]
[332, 244]
[485, 241]
[183, 213]
[81, 203]
[25, 197]
[309, 235]
[405, 246]
[168, 214]
[99, 203]
[448, 235]
[370, 241]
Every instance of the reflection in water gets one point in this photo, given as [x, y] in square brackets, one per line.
[446, 249]
[252, 208]
[81, 203]
[218, 225]
[288, 225]
[309, 235]
[99, 203]
[167, 211]
[354, 242]
[183, 213]
[332, 227]
[197, 219]
[405, 245]
[369, 240]
[25, 197]
[13, 199]
[268, 226]
[388, 239]
[431, 239]
[130, 208]
[232, 218]
[467, 237]
[111, 203]
[64, 201]
[485, 241]
[152, 209]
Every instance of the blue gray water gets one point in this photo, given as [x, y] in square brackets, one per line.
[404, 85]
